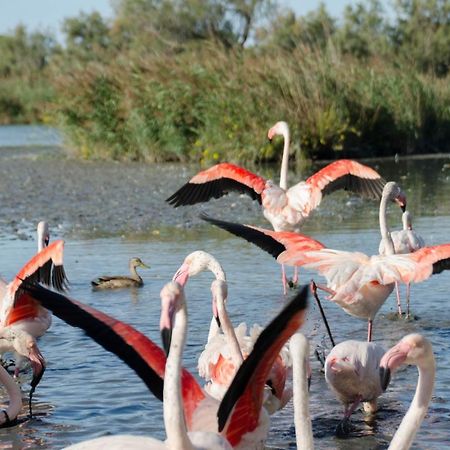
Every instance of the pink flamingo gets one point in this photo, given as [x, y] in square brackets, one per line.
[241, 419]
[405, 241]
[358, 283]
[284, 208]
[416, 350]
[225, 351]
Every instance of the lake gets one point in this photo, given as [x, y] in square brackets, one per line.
[108, 212]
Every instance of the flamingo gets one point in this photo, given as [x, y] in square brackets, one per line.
[120, 281]
[352, 372]
[413, 349]
[173, 311]
[358, 283]
[15, 398]
[240, 415]
[405, 241]
[284, 208]
[225, 351]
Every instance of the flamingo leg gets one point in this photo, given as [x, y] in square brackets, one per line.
[284, 279]
[343, 428]
[399, 305]
[313, 288]
[408, 291]
[295, 277]
[369, 331]
[325, 289]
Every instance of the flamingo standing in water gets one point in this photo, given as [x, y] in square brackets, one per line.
[358, 283]
[241, 418]
[225, 351]
[405, 241]
[284, 208]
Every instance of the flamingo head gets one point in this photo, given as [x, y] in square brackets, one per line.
[393, 192]
[43, 233]
[412, 349]
[197, 262]
[219, 290]
[172, 299]
[279, 129]
[25, 345]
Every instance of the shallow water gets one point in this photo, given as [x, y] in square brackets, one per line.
[108, 212]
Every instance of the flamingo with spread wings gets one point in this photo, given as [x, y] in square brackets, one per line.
[284, 208]
[241, 419]
[360, 284]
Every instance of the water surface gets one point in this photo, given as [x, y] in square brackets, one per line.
[109, 212]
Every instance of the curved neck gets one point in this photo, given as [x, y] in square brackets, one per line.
[13, 390]
[385, 234]
[174, 422]
[303, 429]
[215, 267]
[285, 161]
[228, 330]
[134, 273]
[407, 430]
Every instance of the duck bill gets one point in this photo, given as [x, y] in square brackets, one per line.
[391, 361]
[181, 275]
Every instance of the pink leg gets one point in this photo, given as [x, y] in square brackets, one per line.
[399, 305]
[408, 291]
[295, 277]
[284, 279]
[343, 428]
[350, 409]
[369, 331]
[325, 289]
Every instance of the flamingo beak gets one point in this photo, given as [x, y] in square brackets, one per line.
[182, 275]
[38, 366]
[216, 312]
[46, 240]
[166, 324]
[391, 361]
[401, 201]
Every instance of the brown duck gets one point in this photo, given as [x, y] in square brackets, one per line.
[121, 281]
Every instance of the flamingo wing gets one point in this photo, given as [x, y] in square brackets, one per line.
[418, 266]
[45, 267]
[240, 409]
[285, 246]
[348, 175]
[216, 182]
[130, 345]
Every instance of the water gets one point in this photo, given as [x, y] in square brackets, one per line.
[108, 212]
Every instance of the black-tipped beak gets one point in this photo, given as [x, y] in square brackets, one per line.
[166, 337]
[309, 382]
[218, 321]
[403, 207]
[385, 377]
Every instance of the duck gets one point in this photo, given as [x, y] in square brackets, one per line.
[121, 281]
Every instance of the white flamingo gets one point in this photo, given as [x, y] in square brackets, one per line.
[15, 398]
[284, 208]
[405, 241]
[224, 352]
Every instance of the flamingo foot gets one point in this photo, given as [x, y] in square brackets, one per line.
[343, 429]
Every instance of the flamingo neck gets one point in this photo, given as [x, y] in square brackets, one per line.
[407, 430]
[215, 267]
[285, 159]
[230, 335]
[303, 430]
[385, 234]
[15, 396]
[406, 222]
[174, 421]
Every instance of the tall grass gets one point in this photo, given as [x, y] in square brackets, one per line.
[209, 104]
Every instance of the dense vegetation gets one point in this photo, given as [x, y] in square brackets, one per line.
[203, 80]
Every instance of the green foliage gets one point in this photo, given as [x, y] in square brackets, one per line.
[172, 80]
